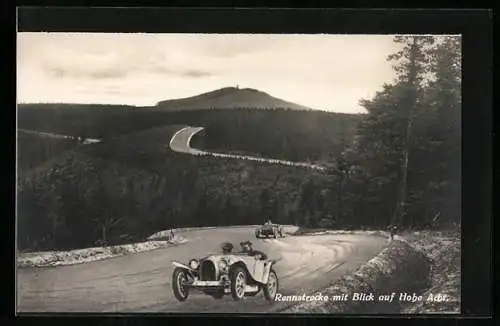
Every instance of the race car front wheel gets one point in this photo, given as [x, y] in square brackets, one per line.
[271, 288]
[179, 277]
[238, 283]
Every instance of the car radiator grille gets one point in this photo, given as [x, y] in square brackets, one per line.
[207, 271]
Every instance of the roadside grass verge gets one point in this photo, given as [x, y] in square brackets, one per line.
[444, 250]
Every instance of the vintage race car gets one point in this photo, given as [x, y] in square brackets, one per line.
[238, 274]
[269, 230]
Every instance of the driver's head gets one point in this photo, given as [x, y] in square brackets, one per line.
[246, 246]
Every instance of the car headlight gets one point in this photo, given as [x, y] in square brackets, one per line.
[223, 266]
[193, 264]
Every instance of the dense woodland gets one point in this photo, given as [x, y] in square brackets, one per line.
[88, 120]
[128, 187]
[402, 167]
[283, 134]
[406, 165]
[33, 150]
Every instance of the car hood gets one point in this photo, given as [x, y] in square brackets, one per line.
[229, 258]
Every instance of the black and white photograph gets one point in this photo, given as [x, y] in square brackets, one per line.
[238, 173]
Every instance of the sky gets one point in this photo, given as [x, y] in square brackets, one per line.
[321, 71]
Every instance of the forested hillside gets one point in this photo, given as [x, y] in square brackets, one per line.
[283, 134]
[33, 150]
[87, 120]
[277, 133]
[229, 98]
[131, 186]
[402, 167]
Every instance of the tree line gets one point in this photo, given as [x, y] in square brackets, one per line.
[87, 199]
[404, 167]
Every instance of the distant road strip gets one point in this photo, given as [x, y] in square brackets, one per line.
[180, 142]
[51, 135]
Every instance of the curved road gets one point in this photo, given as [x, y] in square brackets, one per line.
[181, 140]
[141, 282]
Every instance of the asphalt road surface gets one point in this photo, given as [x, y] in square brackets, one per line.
[180, 142]
[182, 138]
[141, 282]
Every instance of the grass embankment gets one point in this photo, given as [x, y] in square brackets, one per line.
[444, 250]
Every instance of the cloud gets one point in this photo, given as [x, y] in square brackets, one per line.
[112, 64]
[196, 73]
[106, 73]
[229, 46]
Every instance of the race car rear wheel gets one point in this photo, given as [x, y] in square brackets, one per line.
[238, 282]
[271, 288]
[179, 277]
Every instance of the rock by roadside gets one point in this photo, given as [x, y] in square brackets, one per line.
[302, 232]
[86, 255]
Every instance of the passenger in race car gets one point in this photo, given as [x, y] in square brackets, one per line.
[227, 247]
[247, 249]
